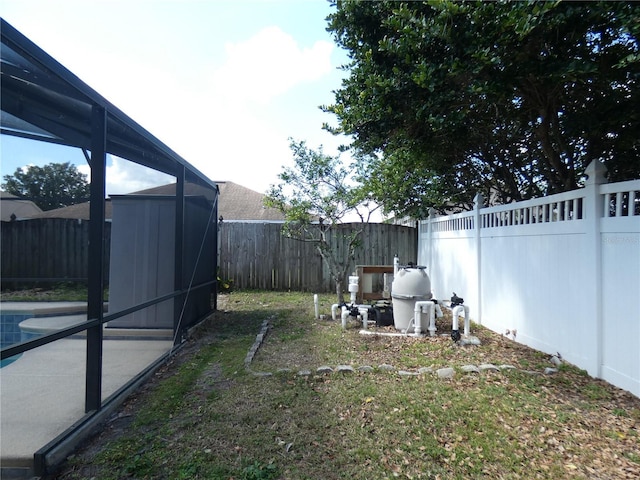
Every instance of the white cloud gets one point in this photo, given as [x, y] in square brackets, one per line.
[230, 131]
[220, 118]
[229, 112]
[267, 65]
[124, 177]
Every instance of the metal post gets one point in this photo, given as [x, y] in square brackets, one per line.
[93, 391]
[215, 244]
[179, 253]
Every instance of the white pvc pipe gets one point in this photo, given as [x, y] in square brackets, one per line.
[353, 287]
[427, 307]
[334, 310]
[455, 312]
[316, 306]
[364, 313]
[382, 334]
[345, 314]
[363, 310]
[439, 313]
[396, 266]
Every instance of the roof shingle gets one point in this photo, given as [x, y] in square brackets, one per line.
[236, 203]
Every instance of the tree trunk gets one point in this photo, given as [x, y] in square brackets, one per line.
[339, 291]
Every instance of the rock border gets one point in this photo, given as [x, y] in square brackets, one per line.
[442, 373]
[264, 329]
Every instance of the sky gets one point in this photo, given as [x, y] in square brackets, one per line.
[224, 83]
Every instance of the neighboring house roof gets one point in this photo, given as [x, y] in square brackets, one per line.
[237, 203]
[79, 211]
[241, 203]
[15, 208]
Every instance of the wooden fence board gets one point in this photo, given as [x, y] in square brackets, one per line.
[253, 255]
[257, 255]
[47, 249]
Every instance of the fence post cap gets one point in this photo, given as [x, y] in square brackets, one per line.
[595, 173]
[479, 200]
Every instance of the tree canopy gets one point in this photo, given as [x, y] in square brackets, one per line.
[51, 186]
[512, 99]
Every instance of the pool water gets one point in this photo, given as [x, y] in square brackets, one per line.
[9, 361]
[9, 329]
[10, 332]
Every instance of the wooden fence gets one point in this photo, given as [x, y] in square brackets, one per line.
[253, 255]
[257, 255]
[47, 250]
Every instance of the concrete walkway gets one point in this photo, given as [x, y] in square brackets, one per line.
[42, 393]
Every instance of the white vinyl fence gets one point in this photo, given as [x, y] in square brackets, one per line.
[562, 272]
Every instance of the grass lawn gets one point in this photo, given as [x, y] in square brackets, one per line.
[205, 416]
[59, 292]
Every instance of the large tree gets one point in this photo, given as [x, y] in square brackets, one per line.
[51, 186]
[513, 99]
[316, 194]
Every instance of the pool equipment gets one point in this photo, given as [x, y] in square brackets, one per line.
[411, 296]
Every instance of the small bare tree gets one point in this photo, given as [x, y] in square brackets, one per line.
[316, 195]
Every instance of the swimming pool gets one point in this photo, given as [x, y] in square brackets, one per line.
[10, 331]
[12, 313]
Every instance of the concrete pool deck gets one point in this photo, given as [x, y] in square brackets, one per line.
[42, 393]
[44, 308]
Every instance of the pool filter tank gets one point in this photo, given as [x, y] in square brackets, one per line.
[410, 285]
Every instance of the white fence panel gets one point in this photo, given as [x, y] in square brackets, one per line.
[562, 271]
[620, 252]
[454, 246]
[528, 283]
